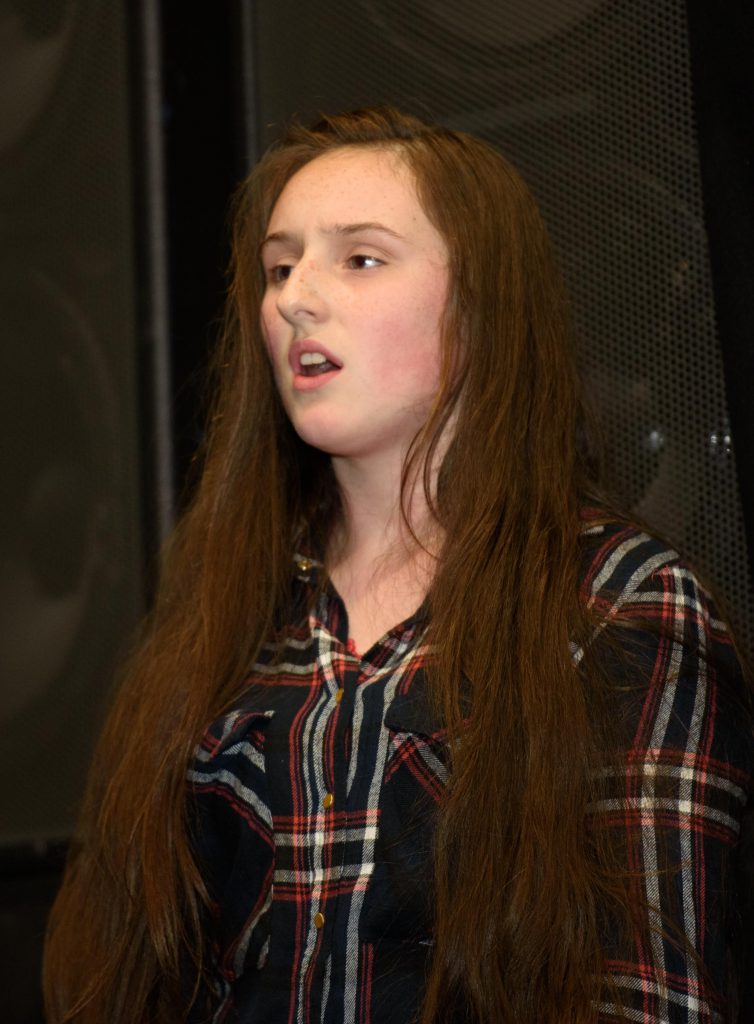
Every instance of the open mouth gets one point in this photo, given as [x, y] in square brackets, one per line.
[312, 364]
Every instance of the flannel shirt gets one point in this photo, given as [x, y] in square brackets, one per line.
[314, 800]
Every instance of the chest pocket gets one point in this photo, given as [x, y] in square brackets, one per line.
[233, 836]
[399, 904]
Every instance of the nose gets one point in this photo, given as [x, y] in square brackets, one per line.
[301, 296]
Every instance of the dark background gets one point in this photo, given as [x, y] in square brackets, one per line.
[123, 128]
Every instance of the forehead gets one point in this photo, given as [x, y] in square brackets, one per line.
[348, 185]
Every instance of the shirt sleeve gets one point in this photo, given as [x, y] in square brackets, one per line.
[678, 802]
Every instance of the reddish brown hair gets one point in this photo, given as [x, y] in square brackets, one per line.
[517, 885]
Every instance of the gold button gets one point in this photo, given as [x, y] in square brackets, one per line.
[327, 800]
[339, 695]
[304, 564]
[319, 920]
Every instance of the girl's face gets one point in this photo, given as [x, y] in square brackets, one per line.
[356, 288]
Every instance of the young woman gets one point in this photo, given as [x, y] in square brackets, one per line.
[416, 731]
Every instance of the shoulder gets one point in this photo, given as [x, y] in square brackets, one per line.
[657, 633]
[630, 575]
[618, 557]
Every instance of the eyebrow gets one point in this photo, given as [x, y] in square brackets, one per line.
[335, 229]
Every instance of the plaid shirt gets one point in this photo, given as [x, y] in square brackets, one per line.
[314, 802]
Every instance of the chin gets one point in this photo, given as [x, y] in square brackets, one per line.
[351, 437]
[319, 433]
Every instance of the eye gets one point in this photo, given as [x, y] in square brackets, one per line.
[360, 261]
[279, 273]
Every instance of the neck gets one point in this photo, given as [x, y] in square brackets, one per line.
[380, 570]
[374, 529]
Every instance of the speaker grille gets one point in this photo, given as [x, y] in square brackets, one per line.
[592, 101]
[70, 536]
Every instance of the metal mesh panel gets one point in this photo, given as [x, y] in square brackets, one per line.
[592, 101]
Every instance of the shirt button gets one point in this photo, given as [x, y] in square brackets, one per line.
[327, 800]
[339, 695]
[319, 920]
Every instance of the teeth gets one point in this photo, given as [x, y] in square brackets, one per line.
[312, 358]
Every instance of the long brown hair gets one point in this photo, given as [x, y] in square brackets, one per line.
[517, 884]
